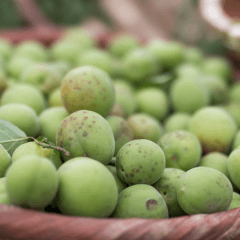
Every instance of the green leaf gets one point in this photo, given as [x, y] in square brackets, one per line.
[8, 131]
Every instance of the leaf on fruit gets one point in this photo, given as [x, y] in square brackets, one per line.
[10, 132]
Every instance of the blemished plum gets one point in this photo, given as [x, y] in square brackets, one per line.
[153, 101]
[95, 196]
[86, 133]
[145, 126]
[140, 201]
[21, 115]
[182, 149]
[32, 148]
[88, 88]
[121, 130]
[140, 161]
[37, 187]
[215, 129]
[204, 190]
[166, 186]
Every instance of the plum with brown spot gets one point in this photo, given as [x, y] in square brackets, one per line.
[134, 166]
[96, 142]
[140, 201]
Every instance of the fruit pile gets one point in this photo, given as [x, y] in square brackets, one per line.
[132, 130]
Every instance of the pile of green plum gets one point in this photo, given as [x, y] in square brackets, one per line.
[129, 131]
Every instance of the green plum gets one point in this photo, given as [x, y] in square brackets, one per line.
[215, 129]
[120, 184]
[6, 48]
[236, 141]
[203, 190]
[21, 115]
[88, 88]
[194, 55]
[97, 194]
[233, 166]
[37, 187]
[188, 70]
[188, 95]
[235, 203]
[235, 93]
[140, 161]
[121, 130]
[177, 121]
[49, 120]
[86, 133]
[25, 94]
[5, 161]
[32, 148]
[140, 201]
[117, 110]
[166, 186]
[145, 127]
[153, 101]
[233, 109]
[182, 149]
[217, 161]
[4, 199]
[55, 99]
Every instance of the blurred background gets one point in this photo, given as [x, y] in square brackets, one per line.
[204, 23]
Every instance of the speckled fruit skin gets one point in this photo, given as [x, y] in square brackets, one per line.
[235, 203]
[166, 186]
[95, 196]
[145, 126]
[121, 130]
[120, 184]
[5, 161]
[177, 121]
[140, 161]
[217, 161]
[204, 190]
[21, 115]
[182, 149]
[32, 148]
[233, 166]
[88, 88]
[37, 187]
[140, 201]
[215, 129]
[86, 133]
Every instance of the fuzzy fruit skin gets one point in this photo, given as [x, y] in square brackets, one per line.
[204, 190]
[235, 203]
[49, 120]
[233, 166]
[177, 121]
[37, 187]
[32, 148]
[140, 161]
[157, 104]
[120, 184]
[166, 186]
[121, 130]
[86, 133]
[95, 196]
[217, 161]
[25, 94]
[21, 115]
[140, 201]
[5, 161]
[88, 88]
[182, 149]
[214, 128]
[145, 126]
